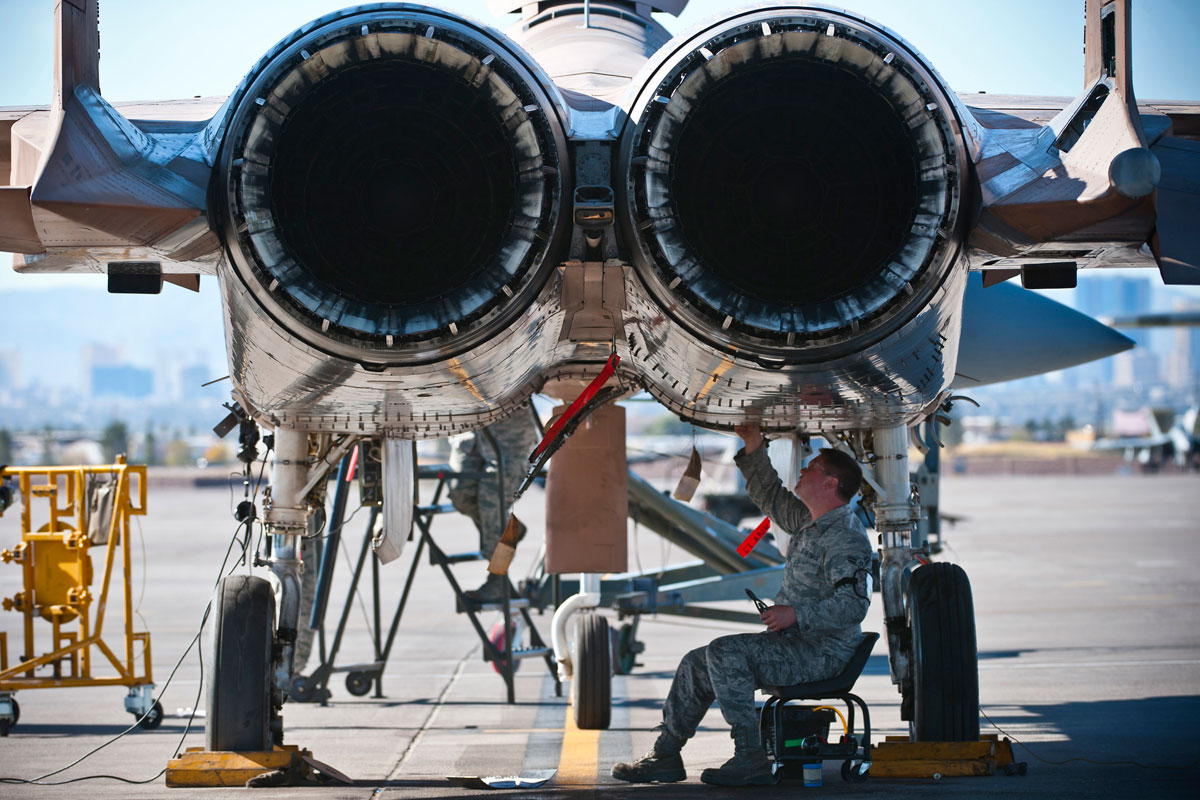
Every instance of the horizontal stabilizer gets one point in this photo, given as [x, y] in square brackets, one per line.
[18, 233]
[1010, 333]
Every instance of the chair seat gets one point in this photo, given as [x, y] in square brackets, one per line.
[841, 683]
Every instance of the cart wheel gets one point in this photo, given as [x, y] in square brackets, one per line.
[303, 690]
[591, 690]
[8, 724]
[856, 773]
[358, 683]
[846, 770]
[624, 650]
[153, 719]
[239, 685]
[497, 636]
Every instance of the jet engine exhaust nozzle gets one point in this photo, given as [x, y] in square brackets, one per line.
[391, 182]
[793, 183]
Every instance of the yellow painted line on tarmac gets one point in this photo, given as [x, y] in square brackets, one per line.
[580, 757]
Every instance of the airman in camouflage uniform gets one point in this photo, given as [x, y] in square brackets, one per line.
[812, 630]
[479, 498]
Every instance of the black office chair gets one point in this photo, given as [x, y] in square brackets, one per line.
[795, 735]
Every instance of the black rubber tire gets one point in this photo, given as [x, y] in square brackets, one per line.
[239, 666]
[591, 689]
[358, 683]
[945, 661]
[153, 719]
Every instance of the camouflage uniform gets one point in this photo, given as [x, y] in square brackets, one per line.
[820, 554]
[477, 498]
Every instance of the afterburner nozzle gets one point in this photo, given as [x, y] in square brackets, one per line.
[391, 181]
[794, 179]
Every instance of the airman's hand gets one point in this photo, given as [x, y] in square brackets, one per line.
[751, 435]
[778, 618]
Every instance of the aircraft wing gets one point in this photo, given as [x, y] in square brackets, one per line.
[1000, 111]
[1132, 442]
[101, 211]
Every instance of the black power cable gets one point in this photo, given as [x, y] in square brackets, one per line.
[1192, 764]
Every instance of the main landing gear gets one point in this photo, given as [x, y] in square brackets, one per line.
[928, 611]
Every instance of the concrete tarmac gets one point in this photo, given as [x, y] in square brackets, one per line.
[1086, 595]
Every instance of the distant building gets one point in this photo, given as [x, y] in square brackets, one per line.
[192, 380]
[121, 380]
[1182, 369]
[97, 355]
[10, 369]
[1137, 367]
[1099, 296]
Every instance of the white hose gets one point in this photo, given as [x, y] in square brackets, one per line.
[588, 597]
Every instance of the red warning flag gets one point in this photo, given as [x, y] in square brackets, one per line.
[755, 536]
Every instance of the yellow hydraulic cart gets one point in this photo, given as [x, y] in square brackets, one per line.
[84, 508]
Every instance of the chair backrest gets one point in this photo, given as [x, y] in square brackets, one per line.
[859, 660]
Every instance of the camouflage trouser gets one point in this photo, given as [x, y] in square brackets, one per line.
[730, 668]
[478, 498]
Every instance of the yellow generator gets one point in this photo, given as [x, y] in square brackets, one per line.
[69, 514]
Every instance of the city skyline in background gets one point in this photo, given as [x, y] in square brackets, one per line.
[103, 369]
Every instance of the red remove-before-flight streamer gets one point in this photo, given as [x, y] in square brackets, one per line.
[755, 536]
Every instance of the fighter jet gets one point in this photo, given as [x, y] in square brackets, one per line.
[1152, 436]
[418, 221]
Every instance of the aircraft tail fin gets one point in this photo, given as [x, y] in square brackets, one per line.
[1108, 46]
[1161, 420]
[76, 47]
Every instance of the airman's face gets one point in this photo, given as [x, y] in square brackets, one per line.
[813, 479]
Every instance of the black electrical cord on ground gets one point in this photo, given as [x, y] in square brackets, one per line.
[1084, 759]
[221, 573]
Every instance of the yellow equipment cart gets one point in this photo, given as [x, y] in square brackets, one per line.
[66, 513]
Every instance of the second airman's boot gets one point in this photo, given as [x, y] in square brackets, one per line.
[750, 765]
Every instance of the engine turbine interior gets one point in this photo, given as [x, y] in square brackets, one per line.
[389, 184]
[794, 184]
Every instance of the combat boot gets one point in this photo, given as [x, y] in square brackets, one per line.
[750, 765]
[492, 590]
[662, 764]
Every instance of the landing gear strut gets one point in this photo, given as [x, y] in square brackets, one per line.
[928, 611]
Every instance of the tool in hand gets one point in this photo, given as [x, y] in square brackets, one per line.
[762, 607]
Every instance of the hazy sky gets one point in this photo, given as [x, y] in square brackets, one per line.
[180, 48]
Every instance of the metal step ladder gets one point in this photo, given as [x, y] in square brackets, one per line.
[360, 677]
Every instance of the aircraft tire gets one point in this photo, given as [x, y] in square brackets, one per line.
[591, 690]
[239, 666]
[945, 661]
